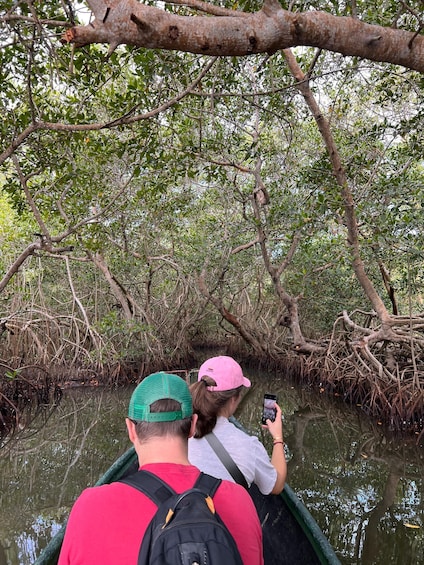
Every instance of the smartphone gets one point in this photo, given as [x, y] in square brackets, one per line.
[269, 411]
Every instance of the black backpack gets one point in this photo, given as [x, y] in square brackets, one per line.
[185, 530]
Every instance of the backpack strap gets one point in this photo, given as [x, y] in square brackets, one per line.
[207, 484]
[150, 485]
[226, 460]
[158, 490]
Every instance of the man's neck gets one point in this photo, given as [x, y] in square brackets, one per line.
[163, 450]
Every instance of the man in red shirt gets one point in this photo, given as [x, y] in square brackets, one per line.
[107, 523]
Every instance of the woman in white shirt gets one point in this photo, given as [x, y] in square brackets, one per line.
[216, 396]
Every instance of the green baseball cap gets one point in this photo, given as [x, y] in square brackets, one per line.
[160, 386]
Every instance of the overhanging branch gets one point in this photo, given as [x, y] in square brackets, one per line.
[269, 30]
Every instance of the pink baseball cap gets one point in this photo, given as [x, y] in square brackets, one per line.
[226, 372]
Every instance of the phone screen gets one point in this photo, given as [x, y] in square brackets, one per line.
[269, 411]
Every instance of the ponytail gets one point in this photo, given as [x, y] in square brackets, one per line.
[208, 404]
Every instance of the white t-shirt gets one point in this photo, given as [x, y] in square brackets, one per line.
[247, 451]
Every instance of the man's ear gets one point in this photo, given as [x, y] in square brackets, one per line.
[193, 425]
[132, 434]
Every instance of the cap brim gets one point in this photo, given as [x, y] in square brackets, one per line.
[246, 382]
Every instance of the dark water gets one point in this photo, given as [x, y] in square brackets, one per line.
[365, 489]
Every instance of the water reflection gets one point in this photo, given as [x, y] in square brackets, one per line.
[364, 489]
[44, 467]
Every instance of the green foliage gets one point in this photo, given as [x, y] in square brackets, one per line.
[12, 375]
[166, 196]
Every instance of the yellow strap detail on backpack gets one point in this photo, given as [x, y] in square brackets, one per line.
[168, 518]
[210, 504]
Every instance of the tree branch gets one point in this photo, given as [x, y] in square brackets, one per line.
[269, 30]
[128, 118]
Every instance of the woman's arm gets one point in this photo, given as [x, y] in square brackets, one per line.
[278, 457]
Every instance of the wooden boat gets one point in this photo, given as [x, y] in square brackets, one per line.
[291, 535]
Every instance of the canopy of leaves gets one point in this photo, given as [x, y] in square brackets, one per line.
[167, 194]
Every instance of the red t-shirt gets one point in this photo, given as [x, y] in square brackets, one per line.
[107, 523]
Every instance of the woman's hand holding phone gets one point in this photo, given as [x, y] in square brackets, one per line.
[275, 428]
